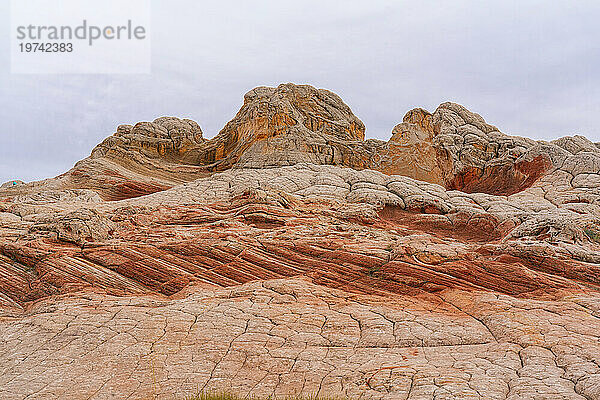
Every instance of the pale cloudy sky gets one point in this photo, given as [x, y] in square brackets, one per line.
[532, 68]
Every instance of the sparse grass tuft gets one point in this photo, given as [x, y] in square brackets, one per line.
[373, 272]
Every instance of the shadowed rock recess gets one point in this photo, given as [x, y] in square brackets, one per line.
[290, 255]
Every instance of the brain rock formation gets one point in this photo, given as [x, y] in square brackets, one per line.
[290, 255]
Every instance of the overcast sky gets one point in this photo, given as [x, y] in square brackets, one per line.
[532, 68]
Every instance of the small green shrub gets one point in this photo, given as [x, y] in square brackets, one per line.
[592, 235]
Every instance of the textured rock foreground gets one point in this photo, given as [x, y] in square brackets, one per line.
[290, 255]
[290, 336]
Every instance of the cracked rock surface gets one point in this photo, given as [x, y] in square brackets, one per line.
[283, 336]
[289, 255]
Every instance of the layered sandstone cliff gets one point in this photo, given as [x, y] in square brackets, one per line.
[290, 255]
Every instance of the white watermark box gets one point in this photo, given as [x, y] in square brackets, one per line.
[80, 36]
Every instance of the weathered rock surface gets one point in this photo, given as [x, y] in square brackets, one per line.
[285, 126]
[290, 336]
[289, 255]
[137, 160]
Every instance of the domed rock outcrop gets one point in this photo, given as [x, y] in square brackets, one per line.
[476, 157]
[167, 138]
[410, 151]
[287, 125]
[136, 160]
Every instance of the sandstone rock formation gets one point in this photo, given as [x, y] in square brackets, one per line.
[136, 160]
[294, 124]
[284, 126]
[289, 255]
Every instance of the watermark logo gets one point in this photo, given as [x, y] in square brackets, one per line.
[80, 36]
